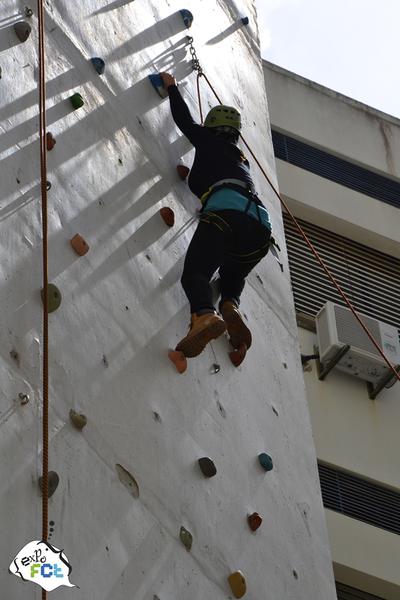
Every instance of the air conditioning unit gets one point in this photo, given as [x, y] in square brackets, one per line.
[337, 327]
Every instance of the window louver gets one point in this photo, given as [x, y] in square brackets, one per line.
[345, 592]
[370, 278]
[360, 499]
[336, 169]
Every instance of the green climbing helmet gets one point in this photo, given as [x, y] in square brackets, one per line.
[224, 116]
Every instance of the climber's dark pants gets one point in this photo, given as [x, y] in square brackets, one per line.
[228, 240]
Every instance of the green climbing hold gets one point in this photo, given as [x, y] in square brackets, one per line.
[77, 101]
[77, 419]
[207, 467]
[53, 297]
[237, 583]
[265, 461]
[186, 538]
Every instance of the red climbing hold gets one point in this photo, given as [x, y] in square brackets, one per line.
[254, 520]
[179, 360]
[183, 171]
[79, 244]
[167, 214]
[238, 355]
[50, 141]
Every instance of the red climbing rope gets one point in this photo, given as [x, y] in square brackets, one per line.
[43, 176]
[304, 235]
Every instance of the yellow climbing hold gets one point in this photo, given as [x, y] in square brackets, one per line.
[237, 583]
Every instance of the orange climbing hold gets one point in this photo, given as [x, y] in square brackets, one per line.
[79, 245]
[183, 171]
[168, 216]
[238, 355]
[237, 583]
[179, 360]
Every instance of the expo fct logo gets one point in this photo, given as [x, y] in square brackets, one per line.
[43, 564]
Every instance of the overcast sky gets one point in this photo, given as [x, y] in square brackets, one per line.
[351, 46]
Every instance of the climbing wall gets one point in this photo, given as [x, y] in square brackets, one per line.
[133, 510]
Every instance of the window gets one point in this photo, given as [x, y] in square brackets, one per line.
[336, 169]
[345, 592]
[370, 279]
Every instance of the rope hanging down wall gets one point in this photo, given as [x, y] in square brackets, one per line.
[43, 176]
[200, 73]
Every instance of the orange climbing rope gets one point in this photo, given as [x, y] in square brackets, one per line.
[43, 177]
[200, 73]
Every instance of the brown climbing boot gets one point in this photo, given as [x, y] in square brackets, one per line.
[238, 331]
[203, 329]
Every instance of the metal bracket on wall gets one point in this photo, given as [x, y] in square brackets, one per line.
[324, 369]
[374, 390]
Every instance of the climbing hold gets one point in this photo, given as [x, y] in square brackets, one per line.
[207, 467]
[158, 84]
[186, 538]
[1, 72]
[53, 297]
[53, 481]
[265, 461]
[22, 30]
[168, 216]
[77, 101]
[98, 64]
[128, 481]
[179, 360]
[80, 245]
[48, 185]
[237, 583]
[50, 141]
[77, 419]
[23, 398]
[254, 520]
[245, 20]
[183, 171]
[187, 17]
[28, 11]
[238, 355]
[215, 368]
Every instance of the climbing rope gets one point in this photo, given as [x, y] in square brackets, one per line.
[43, 186]
[200, 73]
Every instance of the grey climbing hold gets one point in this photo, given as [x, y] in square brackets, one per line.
[23, 398]
[53, 481]
[128, 480]
[186, 538]
[98, 64]
[23, 30]
[265, 461]
[207, 466]
[77, 419]
[28, 11]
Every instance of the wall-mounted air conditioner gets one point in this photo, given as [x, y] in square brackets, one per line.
[337, 327]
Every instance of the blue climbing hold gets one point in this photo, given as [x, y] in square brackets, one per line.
[187, 17]
[245, 20]
[158, 85]
[98, 64]
[265, 461]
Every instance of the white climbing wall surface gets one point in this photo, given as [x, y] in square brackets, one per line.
[129, 480]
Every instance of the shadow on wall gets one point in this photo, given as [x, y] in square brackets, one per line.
[227, 32]
[20, 291]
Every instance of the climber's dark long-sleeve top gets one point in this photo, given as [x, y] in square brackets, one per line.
[216, 159]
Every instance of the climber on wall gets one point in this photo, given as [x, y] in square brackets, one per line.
[234, 231]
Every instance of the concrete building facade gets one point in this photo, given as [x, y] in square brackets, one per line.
[338, 169]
